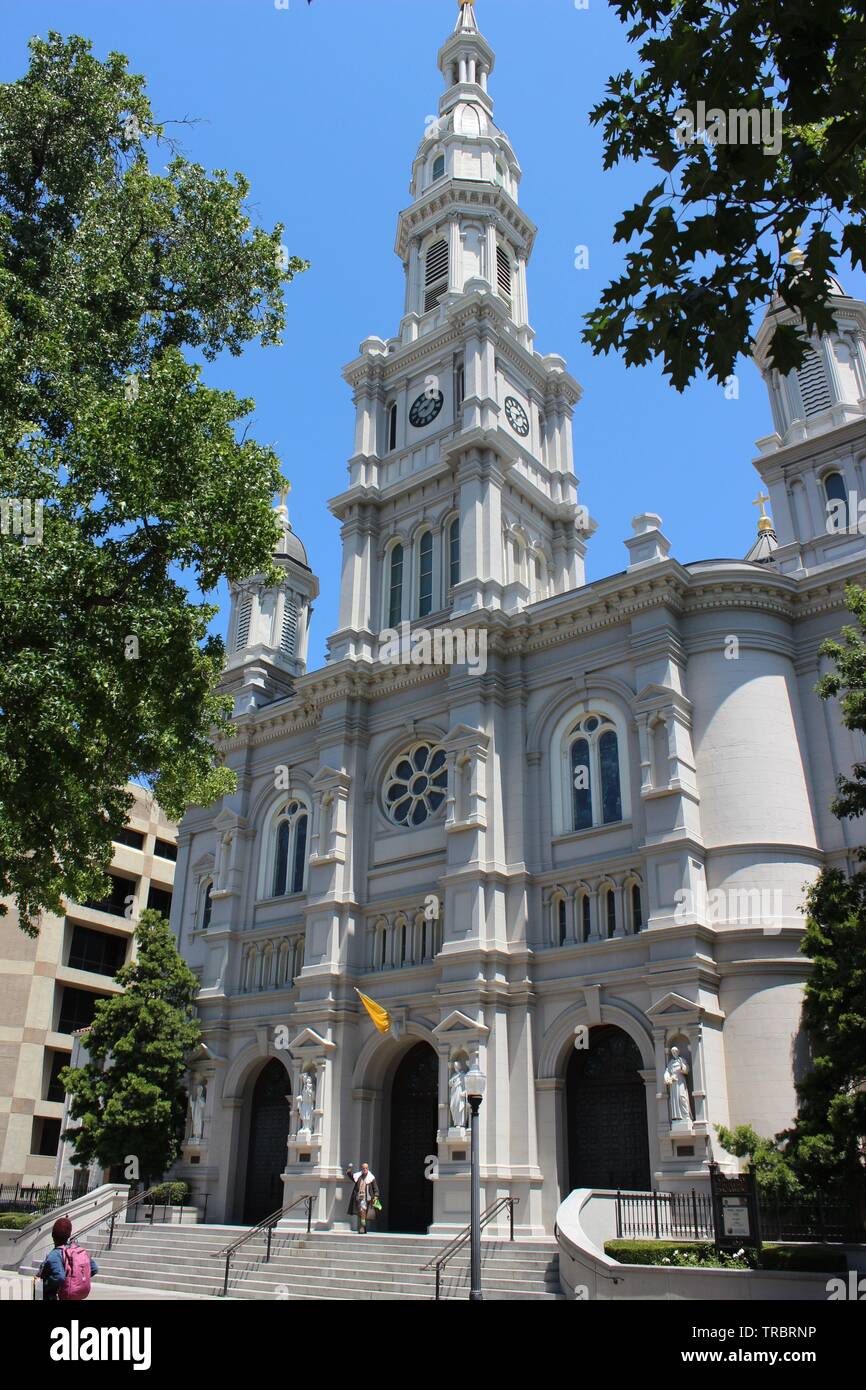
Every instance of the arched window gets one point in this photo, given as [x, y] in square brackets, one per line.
[206, 906]
[610, 912]
[561, 921]
[425, 574]
[290, 861]
[636, 909]
[454, 553]
[835, 491]
[595, 774]
[392, 426]
[395, 585]
[585, 920]
[438, 167]
[435, 274]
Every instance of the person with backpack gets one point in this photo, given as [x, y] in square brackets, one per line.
[66, 1273]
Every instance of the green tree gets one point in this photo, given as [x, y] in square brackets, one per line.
[112, 279]
[129, 1099]
[829, 1137]
[715, 230]
[772, 1167]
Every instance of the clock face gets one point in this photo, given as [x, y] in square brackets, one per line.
[425, 409]
[517, 417]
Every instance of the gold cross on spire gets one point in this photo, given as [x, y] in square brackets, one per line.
[764, 522]
[284, 492]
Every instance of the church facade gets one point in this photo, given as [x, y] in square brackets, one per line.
[559, 830]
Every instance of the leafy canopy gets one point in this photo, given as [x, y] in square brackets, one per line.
[112, 278]
[715, 230]
[129, 1099]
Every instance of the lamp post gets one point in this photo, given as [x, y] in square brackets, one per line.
[475, 1084]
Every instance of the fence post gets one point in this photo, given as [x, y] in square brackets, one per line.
[695, 1212]
[820, 1204]
[619, 1215]
[656, 1214]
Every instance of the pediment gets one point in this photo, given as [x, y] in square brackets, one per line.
[460, 1026]
[309, 1043]
[673, 1006]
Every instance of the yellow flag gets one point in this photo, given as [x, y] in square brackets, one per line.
[380, 1016]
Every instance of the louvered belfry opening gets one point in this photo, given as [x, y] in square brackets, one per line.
[503, 273]
[814, 389]
[244, 617]
[289, 634]
[436, 274]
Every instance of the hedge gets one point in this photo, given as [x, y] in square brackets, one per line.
[801, 1259]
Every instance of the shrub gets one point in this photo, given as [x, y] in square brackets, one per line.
[176, 1193]
[801, 1259]
[15, 1220]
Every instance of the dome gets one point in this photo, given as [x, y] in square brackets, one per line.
[291, 547]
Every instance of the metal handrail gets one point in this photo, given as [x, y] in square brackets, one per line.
[100, 1221]
[463, 1236]
[267, 1225]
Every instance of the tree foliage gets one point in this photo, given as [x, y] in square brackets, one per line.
[715, 227]
[129, 1100]
[113, 277]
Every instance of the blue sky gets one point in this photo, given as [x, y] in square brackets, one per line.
[322, 106]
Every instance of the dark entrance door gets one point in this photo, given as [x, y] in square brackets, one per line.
[269, 1131]
[414, 1113]
[607, 1118]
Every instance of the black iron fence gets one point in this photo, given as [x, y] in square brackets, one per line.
[823, 1216]
[664, 1216]
[36, 1200]
[819, 1216]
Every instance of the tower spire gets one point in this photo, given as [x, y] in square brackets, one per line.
[466, 21]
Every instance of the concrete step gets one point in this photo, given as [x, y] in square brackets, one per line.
[338, 1266]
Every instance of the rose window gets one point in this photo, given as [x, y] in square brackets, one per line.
[415, 785]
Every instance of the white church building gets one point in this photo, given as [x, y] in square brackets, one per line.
[558, 828]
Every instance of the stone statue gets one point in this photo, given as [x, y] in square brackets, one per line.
[197, 1103]
[679, 1102]
[305, 1102]
[457, 1095]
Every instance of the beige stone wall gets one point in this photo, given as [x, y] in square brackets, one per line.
[33, 973]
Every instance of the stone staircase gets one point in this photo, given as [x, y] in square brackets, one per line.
[322, 1265]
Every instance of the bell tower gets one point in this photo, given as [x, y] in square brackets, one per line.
[269, 625]
[461, 494]
[814, 464]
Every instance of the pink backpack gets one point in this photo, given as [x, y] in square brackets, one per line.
[76, 1262]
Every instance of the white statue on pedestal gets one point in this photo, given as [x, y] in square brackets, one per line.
[197, 1103]
[679, 1102]
[305, 1102]
[457, 1096]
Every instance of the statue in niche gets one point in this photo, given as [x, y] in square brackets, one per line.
[679, 1101]
[457, 1095]
[197, 1102]
[305, 1102]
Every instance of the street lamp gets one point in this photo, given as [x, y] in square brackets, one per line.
[475, 1084]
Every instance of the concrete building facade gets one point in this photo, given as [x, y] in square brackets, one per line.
[49, 985]
[560, 830]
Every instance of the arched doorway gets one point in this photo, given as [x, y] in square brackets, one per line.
[414, 1116]
[607, 1115]
[269, 1132]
